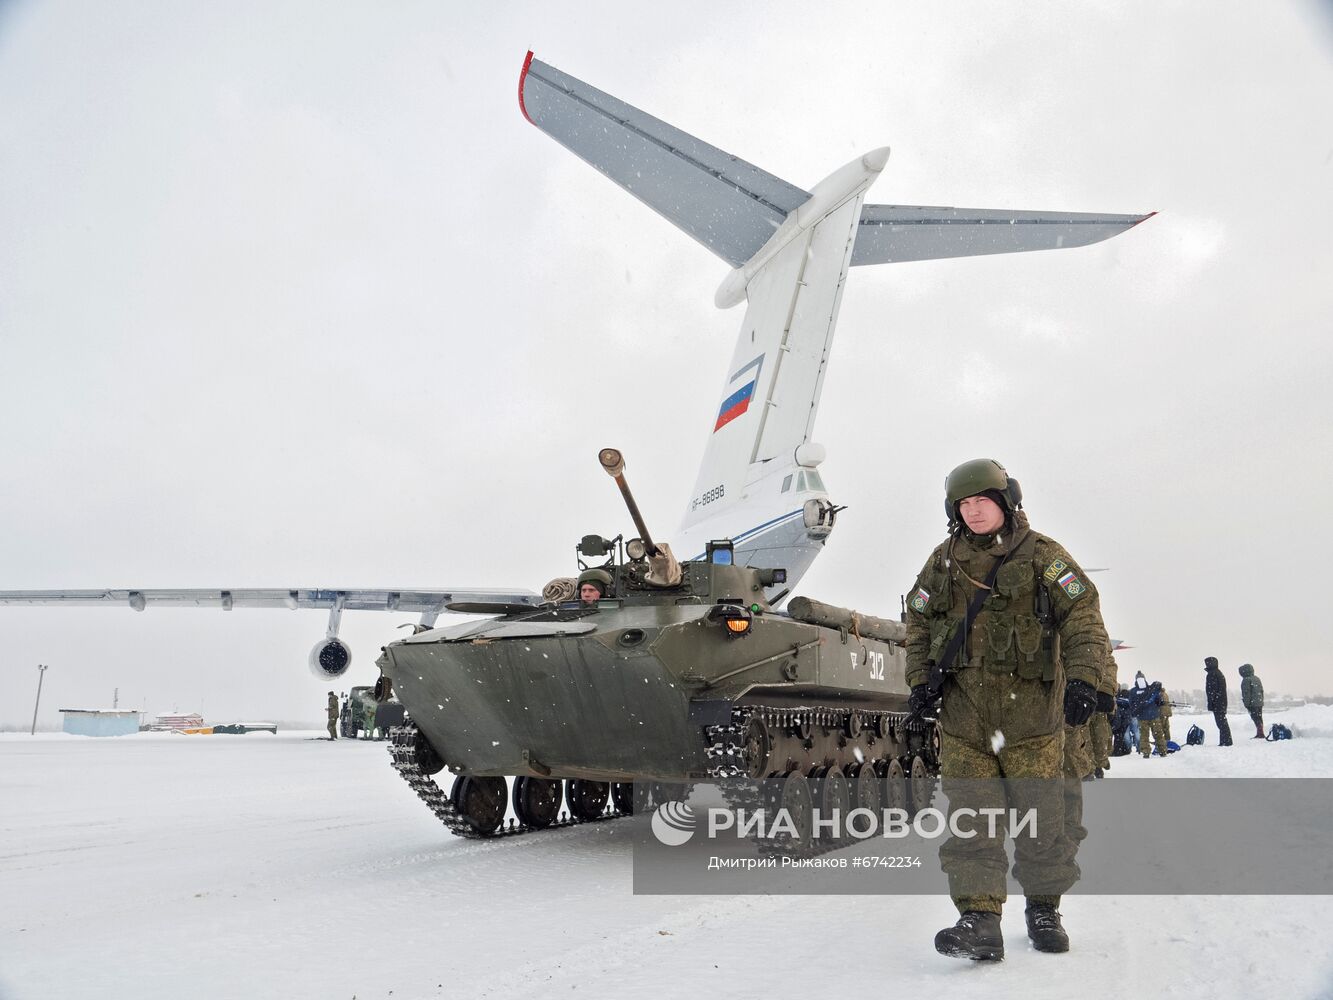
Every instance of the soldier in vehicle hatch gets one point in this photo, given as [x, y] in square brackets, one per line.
[1005, 631]
[594, 584]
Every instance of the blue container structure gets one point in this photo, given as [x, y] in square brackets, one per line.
[100, 721]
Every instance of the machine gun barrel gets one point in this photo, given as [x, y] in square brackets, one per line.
[614, 464]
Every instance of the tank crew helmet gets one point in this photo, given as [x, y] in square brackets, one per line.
[599, 578]
[981, 477]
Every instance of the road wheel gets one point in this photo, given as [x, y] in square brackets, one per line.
[828, 791]
[482, 802]
[920, 784]
[587, 799]
[791, 793]
[622, 797]
[893, 787]
[536, 801]
[863, 787]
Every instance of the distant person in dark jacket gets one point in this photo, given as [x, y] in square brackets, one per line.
[1216, 687]
[1124, 734]
[1252, 697]
[1145, 701]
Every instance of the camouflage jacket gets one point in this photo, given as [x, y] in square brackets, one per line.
[1007, 635]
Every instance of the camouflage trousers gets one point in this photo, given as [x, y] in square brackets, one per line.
[1080, 756]
[1099, 728]
[1080, 760]
[1158, 729]
[333, 729]
[984, 788]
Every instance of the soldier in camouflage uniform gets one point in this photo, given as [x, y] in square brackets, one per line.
[1146, 702]
[1029, 662]
[333, 716]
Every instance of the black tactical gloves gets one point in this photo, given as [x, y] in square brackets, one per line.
[1080, 702]
[919, 703]
[1105, 703]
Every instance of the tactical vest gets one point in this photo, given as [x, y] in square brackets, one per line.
[1014, 632]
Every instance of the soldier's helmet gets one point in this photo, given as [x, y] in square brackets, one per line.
[977, 477]
[599, 578]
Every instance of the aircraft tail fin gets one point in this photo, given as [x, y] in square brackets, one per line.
[789, 250]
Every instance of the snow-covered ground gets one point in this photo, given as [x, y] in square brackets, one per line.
[262, 866]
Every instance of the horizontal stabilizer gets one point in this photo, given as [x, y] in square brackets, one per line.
[730, 206]
[892, 233]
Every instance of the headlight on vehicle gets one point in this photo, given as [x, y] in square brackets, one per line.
[736, 620]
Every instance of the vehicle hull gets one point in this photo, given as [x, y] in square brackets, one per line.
[624, 693]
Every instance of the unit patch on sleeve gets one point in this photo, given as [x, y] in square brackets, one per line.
[1054, 570]
[1071, 585]
[919, 600]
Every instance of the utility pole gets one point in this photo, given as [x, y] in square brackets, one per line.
[41, 673]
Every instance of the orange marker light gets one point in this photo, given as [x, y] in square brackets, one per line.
[738, 626]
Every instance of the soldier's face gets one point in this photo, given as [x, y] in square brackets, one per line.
[589, 593]
[982, 515]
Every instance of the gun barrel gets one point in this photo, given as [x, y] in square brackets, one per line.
[614, 464]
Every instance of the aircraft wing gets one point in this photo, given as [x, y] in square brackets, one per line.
[892, 233]
[412, 601]
[331, 656]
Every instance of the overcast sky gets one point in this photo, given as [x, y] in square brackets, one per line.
[291, 295]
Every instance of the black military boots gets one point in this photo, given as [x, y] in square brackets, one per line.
[975, 936]
[1044, 928]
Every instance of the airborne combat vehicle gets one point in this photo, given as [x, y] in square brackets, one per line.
[679, 673]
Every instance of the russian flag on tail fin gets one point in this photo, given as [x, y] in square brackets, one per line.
[738, 401]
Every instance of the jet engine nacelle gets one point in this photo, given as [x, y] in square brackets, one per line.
[330, 658]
